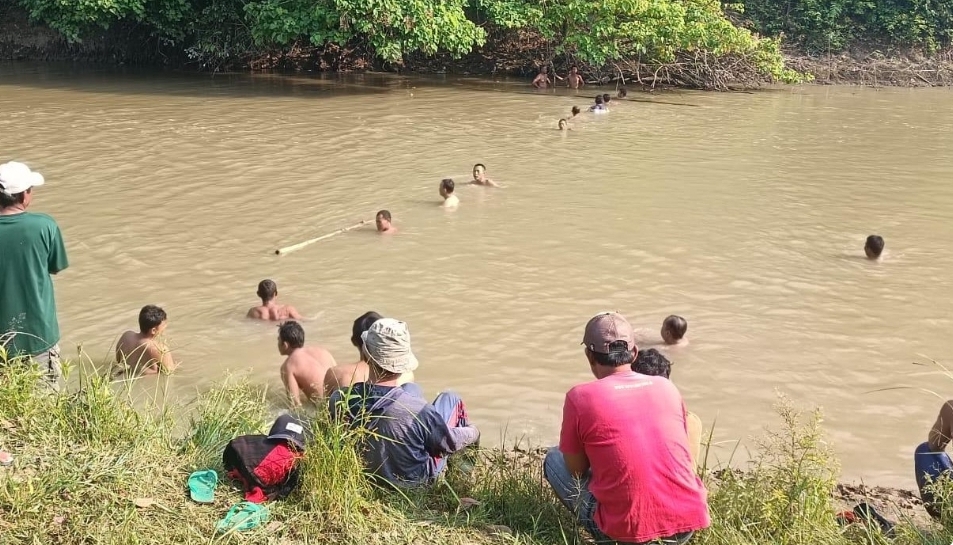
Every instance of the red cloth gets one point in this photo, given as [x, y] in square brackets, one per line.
[274, 469]
[633, 429]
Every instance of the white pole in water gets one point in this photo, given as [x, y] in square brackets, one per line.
[298, 246]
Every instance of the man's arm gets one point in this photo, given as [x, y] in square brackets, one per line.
[291, 385]
[331, 382]
[942, 430]
[57, 261]
[577, 464]
[570, 442]
[162, 356]
[253, 313]
[491, 183]
[293, 313]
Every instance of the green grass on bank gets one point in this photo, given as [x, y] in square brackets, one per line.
[85, 456]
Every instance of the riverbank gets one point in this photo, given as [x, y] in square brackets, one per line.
[89, 467]
[511, 53]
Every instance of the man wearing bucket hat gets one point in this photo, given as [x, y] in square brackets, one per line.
[408, 439]
[32, 248]
[623, 465]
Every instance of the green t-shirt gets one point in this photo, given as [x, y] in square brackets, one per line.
[31, 249]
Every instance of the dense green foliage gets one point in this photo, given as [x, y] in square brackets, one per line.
[597, 33]
[832, 25]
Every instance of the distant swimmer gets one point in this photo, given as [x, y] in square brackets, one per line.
[143, 352]
[384, 225]
[605, 99]
[446, 191]
[575, 111]
[574, 80]
[269, 308]
[598, 106]
[305, 367]
[479, 176]
[622, 93]
[874, 247]
[674, 329]
[542, 81]
[564, 125]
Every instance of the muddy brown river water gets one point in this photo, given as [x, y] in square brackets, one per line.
[745, 213]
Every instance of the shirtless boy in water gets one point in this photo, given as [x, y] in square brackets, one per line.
[344, 376]
[479, 176]
[269, 308]
[446, 191]
[142, 352]
[304, 368]
[575, 81]
[385, 225]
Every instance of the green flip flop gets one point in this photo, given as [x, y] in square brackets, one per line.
[202, 485]
[243, 516]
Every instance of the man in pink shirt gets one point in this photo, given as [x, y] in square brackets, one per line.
[624, 466]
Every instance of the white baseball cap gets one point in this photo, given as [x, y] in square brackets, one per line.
[16, 178]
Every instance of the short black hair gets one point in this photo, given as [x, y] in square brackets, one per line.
[652, 362]
[8, 199]
[292, 333]
[447, 185]
[149, 317]
[619, 355]
[606, 97]
[875, 243]
[677, 325]
[267, 289]
[598, 99]
[575, 110]
[362, 324]
[383, 214]
[480, 165]
[623, 92]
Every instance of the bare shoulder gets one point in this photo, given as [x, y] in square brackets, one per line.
[254, 313]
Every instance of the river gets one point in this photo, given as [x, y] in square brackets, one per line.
[746, 213]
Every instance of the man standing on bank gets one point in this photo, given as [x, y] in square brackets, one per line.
[623, 465]
[32, 249]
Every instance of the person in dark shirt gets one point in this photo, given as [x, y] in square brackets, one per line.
[408, 439]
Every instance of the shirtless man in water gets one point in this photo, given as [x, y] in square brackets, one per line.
[541, 81]
[479, 176]
[143, 352]
[344, 376]
[269, 308]
[305, 367]
[384, 225]
[575, 80]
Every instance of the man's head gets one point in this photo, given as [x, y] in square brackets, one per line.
[622, 93]
[544, 70]
[387, 348]
[479, 172]
[446, 187]
[563, 124]
[362, 324]
[383, 220]
[290, 337]
[575, 110]
[673, 329]
[652, 362]
[573, 69]
[610, 343]
[152, 320]
[874, 246]
[16, 184]
[267, 290]
[606, 98]
[598, 99]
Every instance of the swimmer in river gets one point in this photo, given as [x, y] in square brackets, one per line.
[542, 81]
[575, 111]
[564, 125]
[305, 368]
[622, 93]
[598, 106]
[874, 247]
[269, 309]
[605, 100]
[574, 80]
[446, 191]
[479, 176]
[384, 225]
[674, 329]
[143, 352]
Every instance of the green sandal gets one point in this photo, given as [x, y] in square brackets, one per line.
[242, 517]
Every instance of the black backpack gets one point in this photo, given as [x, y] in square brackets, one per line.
[246, 453]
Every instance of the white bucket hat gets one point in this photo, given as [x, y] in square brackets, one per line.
[16, 178]
[387, 344]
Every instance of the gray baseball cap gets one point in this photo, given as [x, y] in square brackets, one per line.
[387, 344]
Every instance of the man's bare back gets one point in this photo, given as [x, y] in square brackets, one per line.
[345, 376]
[274, 312]
[140, 354]
[304, 371]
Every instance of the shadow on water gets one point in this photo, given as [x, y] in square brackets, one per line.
[163, 82]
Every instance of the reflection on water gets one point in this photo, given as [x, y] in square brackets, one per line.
[745, 213]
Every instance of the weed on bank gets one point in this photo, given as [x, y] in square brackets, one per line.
[92, 467]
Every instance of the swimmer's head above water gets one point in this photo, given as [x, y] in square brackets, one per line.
[575, 111]
[606, 98]
[479, 172]
[874, 246]
[598, 99]
[563, 125]
[674, 329]
[290, 337]
[622, 93]
[267, 290]
[383, 220]
[152, 321]
[446, 187]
